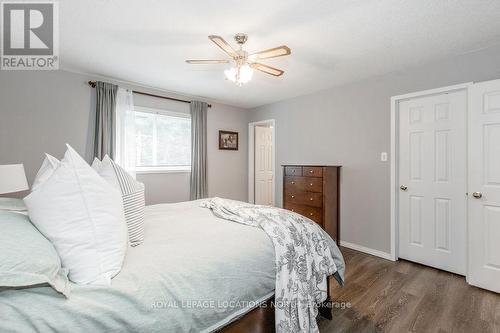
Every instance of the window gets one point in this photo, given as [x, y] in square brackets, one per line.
[163, 140]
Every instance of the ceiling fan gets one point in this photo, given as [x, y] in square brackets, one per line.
[244, 64]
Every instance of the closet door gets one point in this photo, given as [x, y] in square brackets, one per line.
[432, 180]
[484, 185]
[264, 166]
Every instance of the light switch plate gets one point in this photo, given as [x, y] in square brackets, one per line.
[383, 156]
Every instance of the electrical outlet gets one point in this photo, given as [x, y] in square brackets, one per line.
[383, 156]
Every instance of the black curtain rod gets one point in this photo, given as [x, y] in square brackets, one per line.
[93, 83]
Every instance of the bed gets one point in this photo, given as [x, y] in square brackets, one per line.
[195, 273]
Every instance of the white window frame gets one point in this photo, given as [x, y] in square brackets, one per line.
[162, 169]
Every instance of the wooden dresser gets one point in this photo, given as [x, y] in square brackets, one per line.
[313, 191]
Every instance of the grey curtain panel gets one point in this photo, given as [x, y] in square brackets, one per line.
[199, 187]
[104, 138]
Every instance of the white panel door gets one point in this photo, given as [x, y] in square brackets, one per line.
[263, 166]
[484, 185]
[432, 178]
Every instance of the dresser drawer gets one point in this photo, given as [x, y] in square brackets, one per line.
[293, 171]
[312, 172]
[313, 213]
[300, 184]
[304, 198]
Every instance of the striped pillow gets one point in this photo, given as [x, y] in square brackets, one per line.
[132, 195]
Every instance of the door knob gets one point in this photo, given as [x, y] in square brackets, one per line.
[404, 188]
[477, 195]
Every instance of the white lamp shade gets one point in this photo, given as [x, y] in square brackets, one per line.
[12, 178]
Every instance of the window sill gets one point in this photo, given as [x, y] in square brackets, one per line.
[153, 171]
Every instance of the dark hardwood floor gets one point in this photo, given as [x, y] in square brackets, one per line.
[386, 296]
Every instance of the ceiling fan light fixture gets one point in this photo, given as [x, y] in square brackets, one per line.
[240, 74]
[246, 73]
[230, 74]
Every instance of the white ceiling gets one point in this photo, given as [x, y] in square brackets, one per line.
[333, 42]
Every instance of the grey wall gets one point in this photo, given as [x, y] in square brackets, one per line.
[41, 111]
[350, 126]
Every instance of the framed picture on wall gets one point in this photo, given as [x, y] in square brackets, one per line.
[228, 140]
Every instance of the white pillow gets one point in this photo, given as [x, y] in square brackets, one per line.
[12, 205]
[82, 215]
[96, 164]
[132, 195]
[50, 163]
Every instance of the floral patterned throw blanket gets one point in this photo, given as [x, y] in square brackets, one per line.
[305, 256]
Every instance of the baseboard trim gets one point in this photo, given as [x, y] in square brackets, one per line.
[367, 250]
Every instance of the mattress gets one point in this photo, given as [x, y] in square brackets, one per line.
[193, 273]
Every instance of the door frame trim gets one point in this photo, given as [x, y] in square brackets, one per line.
[251, 158]
[395, 100]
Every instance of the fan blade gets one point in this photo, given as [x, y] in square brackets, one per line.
[267, 69]
[207, 62]
[279, 51]
[220, 42]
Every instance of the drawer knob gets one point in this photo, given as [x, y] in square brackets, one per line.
[310, 199]
[310, 171]
[311, 184]
[293, 196]
[293, 183]
[311, 214]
